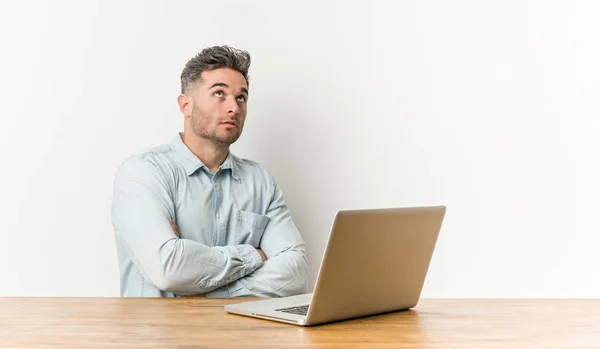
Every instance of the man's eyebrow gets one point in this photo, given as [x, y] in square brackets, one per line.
[222, 84]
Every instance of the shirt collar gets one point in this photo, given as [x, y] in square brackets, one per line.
[191, 163]
[230, 163]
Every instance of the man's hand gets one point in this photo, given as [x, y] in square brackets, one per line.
[174, 226]
[262, 254]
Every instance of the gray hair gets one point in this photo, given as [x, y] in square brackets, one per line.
[214, 58]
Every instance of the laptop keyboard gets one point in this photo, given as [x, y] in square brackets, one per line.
[299, 310]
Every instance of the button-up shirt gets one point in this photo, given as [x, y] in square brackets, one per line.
[222, 219]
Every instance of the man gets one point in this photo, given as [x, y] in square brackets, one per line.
[189, 217]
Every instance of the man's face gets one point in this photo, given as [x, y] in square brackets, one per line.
[219, 105]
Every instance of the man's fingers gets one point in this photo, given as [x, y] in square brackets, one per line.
[262, 254]
[174, 226]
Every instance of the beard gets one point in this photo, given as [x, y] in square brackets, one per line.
[201, 127]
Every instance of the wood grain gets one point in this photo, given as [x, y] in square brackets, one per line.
[202, 323]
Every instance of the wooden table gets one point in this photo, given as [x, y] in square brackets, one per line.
[201, 323]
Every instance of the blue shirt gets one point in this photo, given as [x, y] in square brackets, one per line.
[222, 218]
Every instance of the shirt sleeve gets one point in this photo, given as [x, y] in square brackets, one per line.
[285, 272]
[142, 210]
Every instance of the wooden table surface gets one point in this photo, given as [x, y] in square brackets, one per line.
[186, 323]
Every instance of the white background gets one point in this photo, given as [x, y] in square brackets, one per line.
[488, 107]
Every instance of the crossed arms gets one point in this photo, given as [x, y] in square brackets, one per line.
[143, 217]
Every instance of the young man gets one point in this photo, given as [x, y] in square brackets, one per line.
[191, 218]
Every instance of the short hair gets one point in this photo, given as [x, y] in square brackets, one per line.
[215, 57]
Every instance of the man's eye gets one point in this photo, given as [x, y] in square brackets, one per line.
[219, 94]
[241, 98]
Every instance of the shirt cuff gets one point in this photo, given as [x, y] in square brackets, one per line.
[249, 257]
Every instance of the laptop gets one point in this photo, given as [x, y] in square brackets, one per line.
[375, 262]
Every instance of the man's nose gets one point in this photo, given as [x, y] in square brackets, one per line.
[232, 106]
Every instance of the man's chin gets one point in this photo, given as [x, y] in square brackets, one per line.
[222, 139]
[227, 140]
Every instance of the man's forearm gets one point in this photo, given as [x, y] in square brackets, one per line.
[283, 275]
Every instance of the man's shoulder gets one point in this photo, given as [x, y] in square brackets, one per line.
[155, 154]
[153, 159]
[248, 167]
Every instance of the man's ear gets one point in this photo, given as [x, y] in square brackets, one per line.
[185, 104]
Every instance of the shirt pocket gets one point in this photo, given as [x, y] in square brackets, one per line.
[250, 228]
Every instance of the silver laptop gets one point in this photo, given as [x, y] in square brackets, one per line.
[375, 262]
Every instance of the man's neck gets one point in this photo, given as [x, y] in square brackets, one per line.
[212, 155]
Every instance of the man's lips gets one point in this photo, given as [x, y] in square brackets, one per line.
[230, 123]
